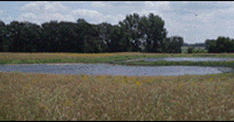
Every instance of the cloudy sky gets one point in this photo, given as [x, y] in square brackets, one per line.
[194, 21]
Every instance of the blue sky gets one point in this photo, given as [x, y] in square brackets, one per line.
[213, 18]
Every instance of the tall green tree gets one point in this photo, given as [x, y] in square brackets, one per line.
[158, 32]
[212, 47]
[207, 43]
[131, 25]
[222, 44]
[3, 32]
[116, 44]
[13, 35]
[104, 31]
[154, 33]
[231, 46]
[29, 37]
[90, 36]
[51, 39]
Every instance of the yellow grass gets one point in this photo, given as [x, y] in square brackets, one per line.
[82, 97]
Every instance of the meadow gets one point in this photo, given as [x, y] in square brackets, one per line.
[31, 96]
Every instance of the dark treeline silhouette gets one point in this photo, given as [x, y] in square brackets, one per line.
[133, 34]
[220, 45]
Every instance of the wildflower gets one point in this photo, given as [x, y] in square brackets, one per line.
[223, 78]
[138, 83]
[211, 79]
[219, 87]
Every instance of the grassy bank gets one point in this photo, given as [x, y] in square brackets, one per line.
[182, 63]
[81, 97]
[118, 58]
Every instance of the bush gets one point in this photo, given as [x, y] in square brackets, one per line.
[200, 51]
[190, 50]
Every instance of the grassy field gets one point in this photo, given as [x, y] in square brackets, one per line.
[34, 96]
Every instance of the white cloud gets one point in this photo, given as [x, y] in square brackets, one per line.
[43, 7]
[86, 12]
[45, 12]
[100, 4]
[165, 5]
[113, 19]
[120, 17]
[2, 11]
[60, 17]
[7, 19]
[89, 15]
[144, 12]
[28, 15]
[94, 16]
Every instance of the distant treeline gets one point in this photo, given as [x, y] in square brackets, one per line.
[133, 34]
[220, 45]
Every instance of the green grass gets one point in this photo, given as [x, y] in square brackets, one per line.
[182, 63]
[14, 58]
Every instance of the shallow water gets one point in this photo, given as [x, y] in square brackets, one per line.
[194, 59]
[106, 69]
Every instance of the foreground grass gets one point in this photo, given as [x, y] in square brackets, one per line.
[81, 97]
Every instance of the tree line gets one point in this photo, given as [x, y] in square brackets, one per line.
[220, 45]
[133, 34]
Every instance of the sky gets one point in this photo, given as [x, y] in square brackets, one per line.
[194, 21]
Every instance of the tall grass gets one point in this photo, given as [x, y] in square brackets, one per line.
[81, 97]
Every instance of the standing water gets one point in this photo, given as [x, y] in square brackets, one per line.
[106, 69]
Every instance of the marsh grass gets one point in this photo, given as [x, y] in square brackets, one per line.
[82, 97]
[116, 58]
[182, 63]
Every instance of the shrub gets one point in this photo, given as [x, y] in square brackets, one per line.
[190, 50]
[199, 51]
